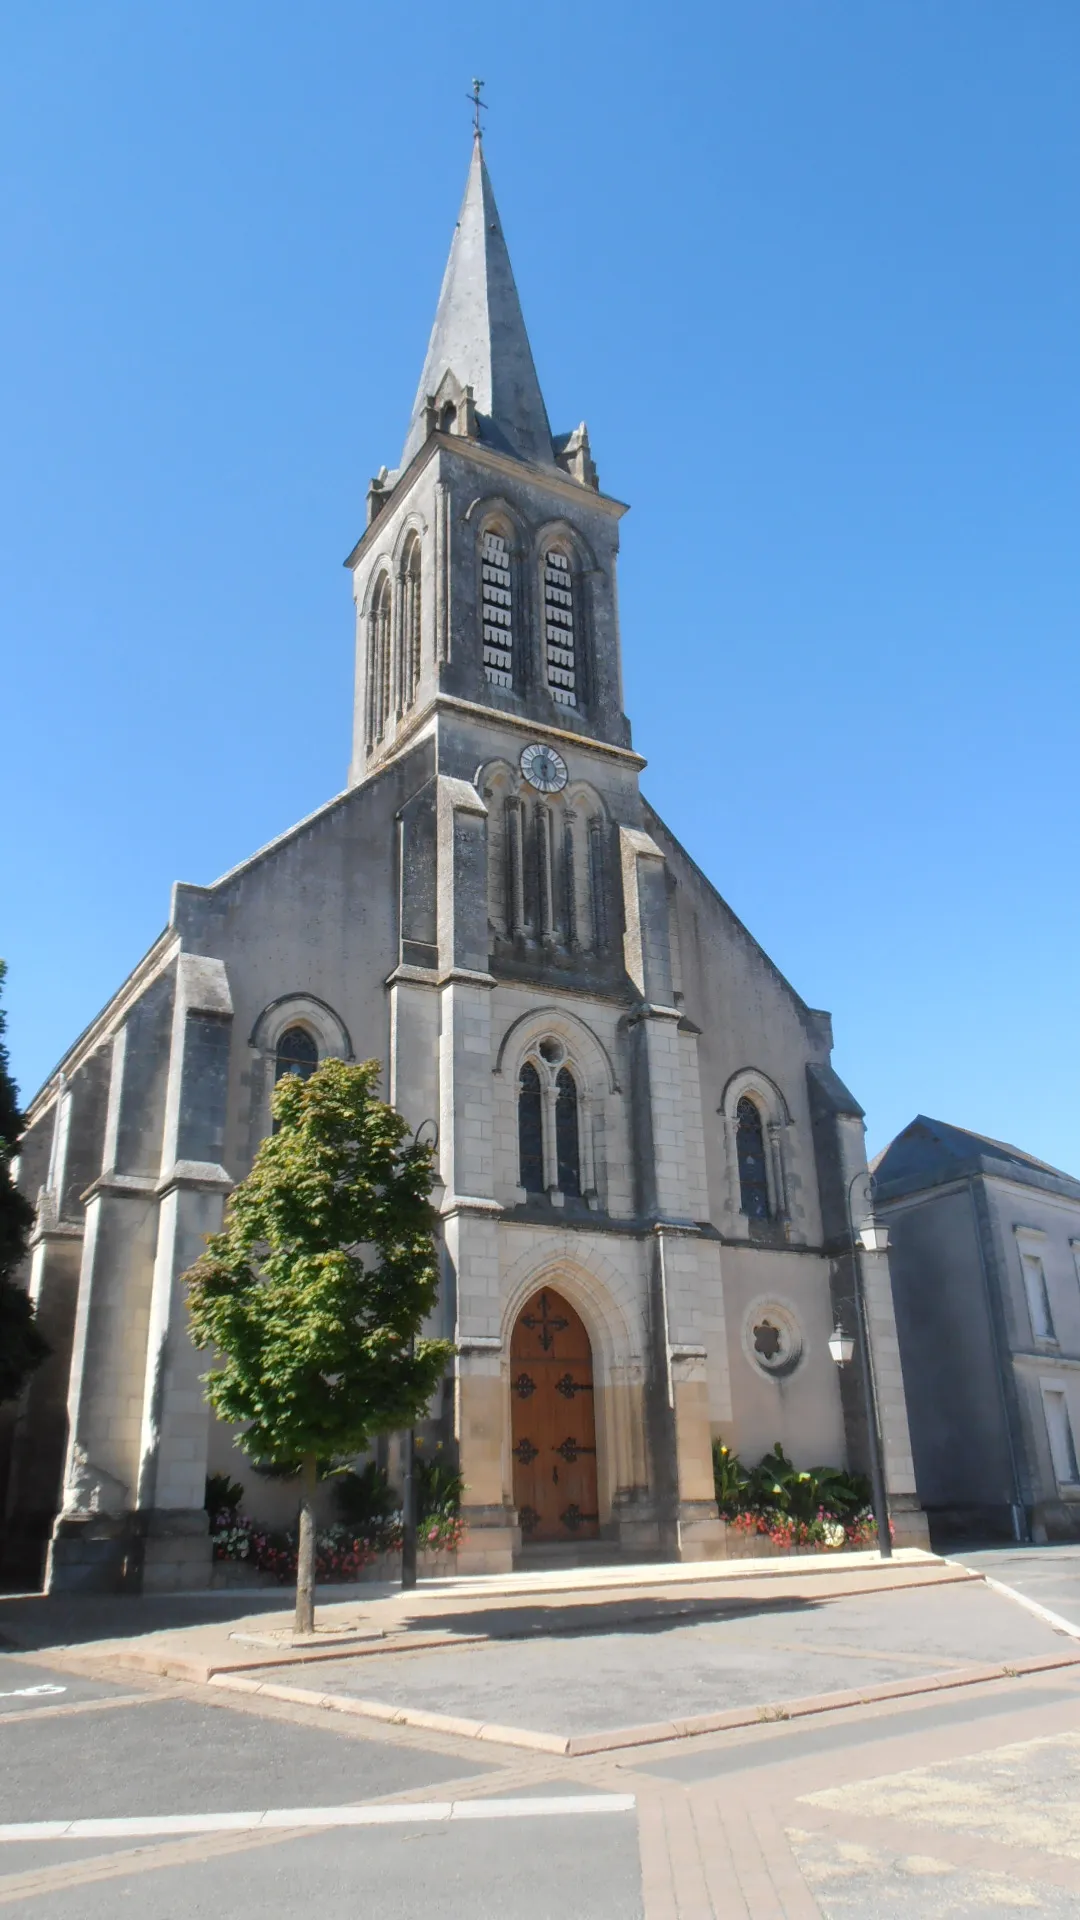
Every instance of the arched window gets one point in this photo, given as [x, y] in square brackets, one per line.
[560, 651]
[378, 662]
[566, 1133]
[497, 609]
[750, 1145]
[531, 1129]
[296, 1053]
[410, 624]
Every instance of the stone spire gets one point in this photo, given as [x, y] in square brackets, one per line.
[479, 336]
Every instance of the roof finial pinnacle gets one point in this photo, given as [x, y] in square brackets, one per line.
[478, 106]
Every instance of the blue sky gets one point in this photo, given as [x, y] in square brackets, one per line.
[809, 271]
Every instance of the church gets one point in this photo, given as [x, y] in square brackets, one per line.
[645, 1153]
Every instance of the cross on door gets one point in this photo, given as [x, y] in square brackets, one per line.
[549, 1323]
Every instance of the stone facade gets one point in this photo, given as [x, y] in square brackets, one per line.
[490, 906]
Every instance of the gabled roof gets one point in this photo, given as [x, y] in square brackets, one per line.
[479, 335]
[929, 1153]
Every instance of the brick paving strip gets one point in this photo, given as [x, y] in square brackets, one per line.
[706, 1857]
[737, 1861]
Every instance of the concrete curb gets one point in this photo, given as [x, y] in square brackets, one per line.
[570, 1745]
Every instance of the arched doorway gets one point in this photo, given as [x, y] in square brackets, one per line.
[552, 1421]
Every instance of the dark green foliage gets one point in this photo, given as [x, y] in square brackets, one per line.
[777, 1486]
[22, 1347]
[730, 1479]
[316, 1288]
[365, 1499]
[439, 1486]
[223, 1496]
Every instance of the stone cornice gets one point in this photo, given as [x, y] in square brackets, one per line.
[551, 479]
[195, 1176]
[496, 716]
[127, 1186]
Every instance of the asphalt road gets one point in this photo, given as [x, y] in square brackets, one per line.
[963, 1802]
[1049, 1575]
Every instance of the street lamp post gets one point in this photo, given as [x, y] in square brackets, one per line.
[872, 1238]
[408, 1447]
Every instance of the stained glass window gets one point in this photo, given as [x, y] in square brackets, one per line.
[378, 662]
[410, 624]
[531, 1129]
[566, 1132]
[296, 1053]
[750, 1144]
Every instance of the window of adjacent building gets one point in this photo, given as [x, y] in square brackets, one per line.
[410, 623]
[566, 1133]
[1042, 1320]
[531, 1129]
[497, 610]
[296, 1053]
[750, 1147]
[559, 629]
[1062, 1444]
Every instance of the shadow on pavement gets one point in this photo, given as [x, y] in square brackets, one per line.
[577, 1621]
[33, 1622]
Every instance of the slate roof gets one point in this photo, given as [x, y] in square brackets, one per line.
[930, 1153]
[479, 334]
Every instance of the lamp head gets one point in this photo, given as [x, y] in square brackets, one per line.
[874, 1237]
[841, 1346]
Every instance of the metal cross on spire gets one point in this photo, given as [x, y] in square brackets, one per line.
[478, 106]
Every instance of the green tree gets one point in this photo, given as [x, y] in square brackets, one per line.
[22, 1346]
[316, 1288]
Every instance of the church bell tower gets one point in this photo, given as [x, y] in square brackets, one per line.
[485, 580]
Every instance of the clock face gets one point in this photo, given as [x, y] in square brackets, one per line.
[543, 768]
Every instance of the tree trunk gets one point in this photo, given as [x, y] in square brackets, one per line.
[305, 1551]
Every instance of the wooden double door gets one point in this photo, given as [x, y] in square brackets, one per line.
[553, 1422]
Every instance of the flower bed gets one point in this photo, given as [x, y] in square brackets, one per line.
[341, 1554]
[777, 1507]
[825, 1533]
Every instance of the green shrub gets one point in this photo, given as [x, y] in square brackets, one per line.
[778, 1488]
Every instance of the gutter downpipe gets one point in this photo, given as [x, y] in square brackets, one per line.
[1021, 1532]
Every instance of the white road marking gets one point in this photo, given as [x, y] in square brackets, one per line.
[1055, 1620]
[143, 1826]
[27, 1693]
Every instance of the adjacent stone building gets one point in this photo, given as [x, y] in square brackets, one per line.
[986, 1277]
[644, 1146]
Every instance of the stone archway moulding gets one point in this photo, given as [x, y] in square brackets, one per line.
[302, 1009]
[618, 1361]
[559, 1021]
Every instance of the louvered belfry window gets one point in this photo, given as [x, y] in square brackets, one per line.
[497, 610]
[559, 629]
